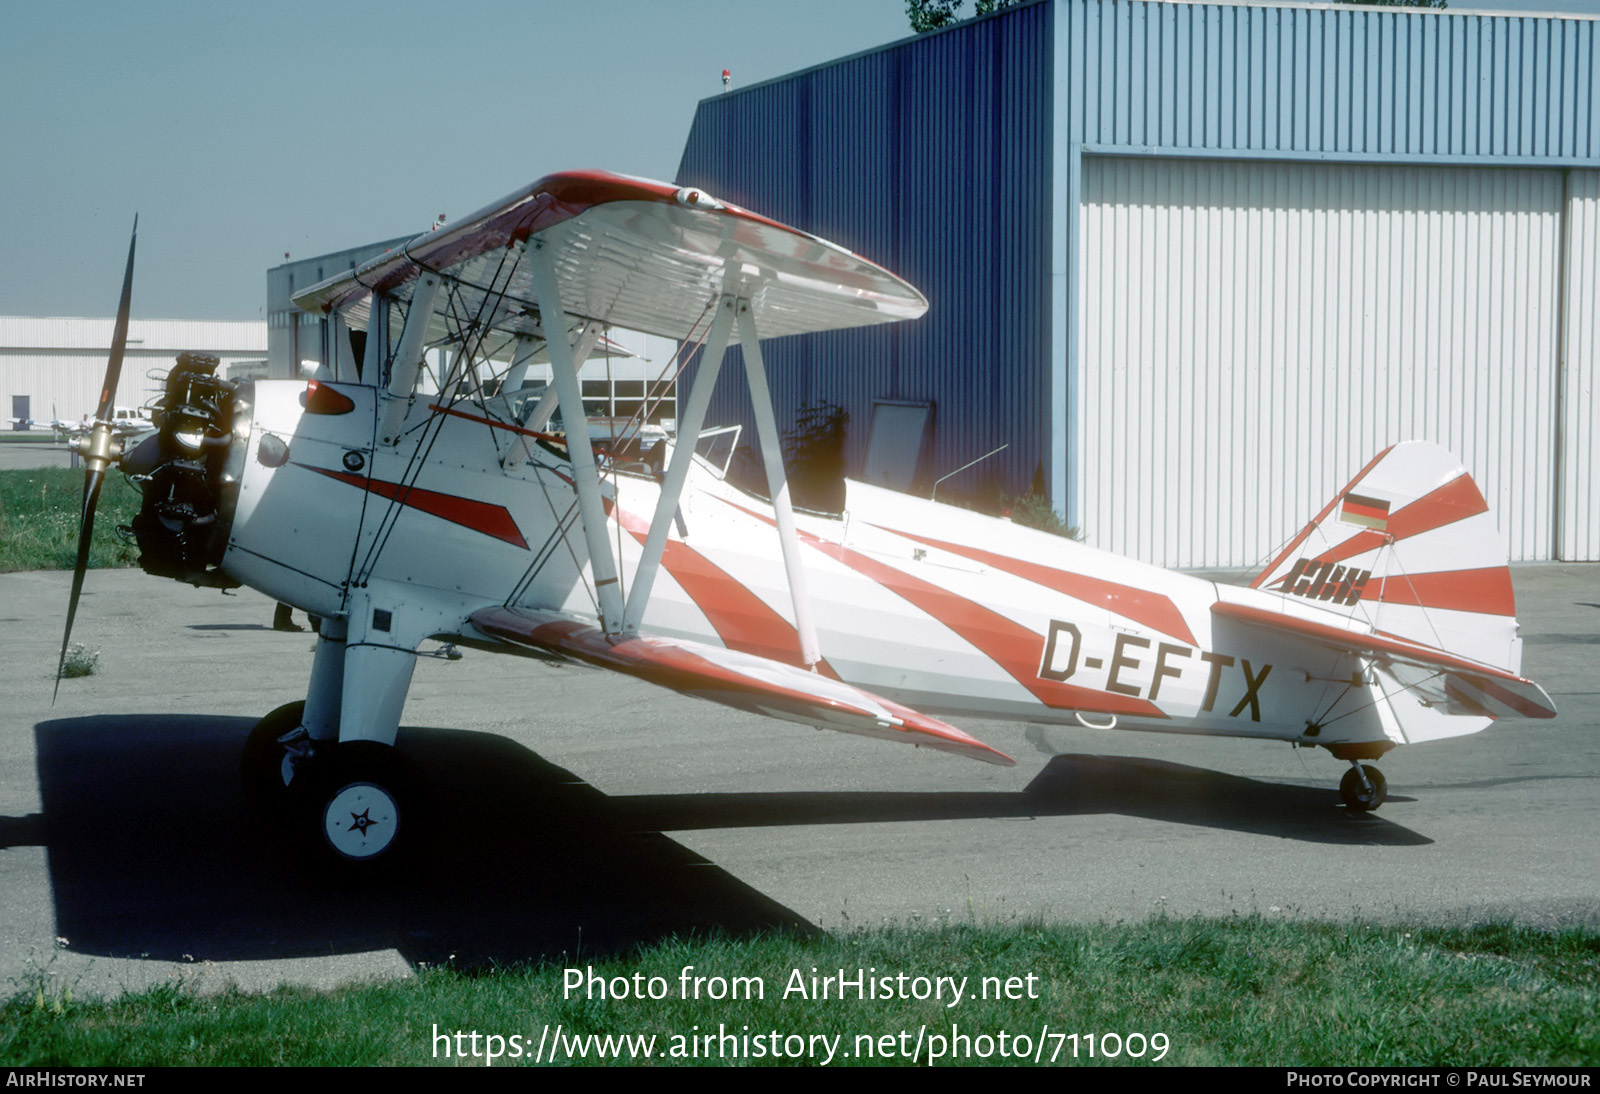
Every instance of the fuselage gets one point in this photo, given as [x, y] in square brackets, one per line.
[942, 609]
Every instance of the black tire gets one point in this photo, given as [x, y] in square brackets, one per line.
[360, 809]
[261, 761]
[1356, 797]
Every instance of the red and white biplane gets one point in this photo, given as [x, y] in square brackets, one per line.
[399, 515]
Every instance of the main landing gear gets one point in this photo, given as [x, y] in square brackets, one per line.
[1363, 788]
[350, 806]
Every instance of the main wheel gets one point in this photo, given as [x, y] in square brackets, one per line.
[361, 806]
[265, 764]
[1359, 798]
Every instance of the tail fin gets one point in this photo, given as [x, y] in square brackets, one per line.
[1411, 547]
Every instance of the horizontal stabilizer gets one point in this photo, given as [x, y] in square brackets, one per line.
[735, 679]
[1490, 690]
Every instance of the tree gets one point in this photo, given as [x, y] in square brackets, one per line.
[813, 457]
[926, 15]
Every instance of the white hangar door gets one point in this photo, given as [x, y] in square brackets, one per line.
[1578, 517]
[1251, 334]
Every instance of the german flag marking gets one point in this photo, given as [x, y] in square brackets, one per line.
[1367, 512]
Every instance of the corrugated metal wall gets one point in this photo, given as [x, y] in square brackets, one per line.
[937, 150]
[1579, 516]
[1239, 85]
[1254, 332]
[1271, 80]
[1213, 92]
[948, 133]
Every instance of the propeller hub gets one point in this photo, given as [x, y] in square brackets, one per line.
[99, 448]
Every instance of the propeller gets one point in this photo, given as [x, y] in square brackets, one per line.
[99, 449]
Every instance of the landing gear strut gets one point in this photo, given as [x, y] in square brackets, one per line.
[325, 770]
[276, 750]
[1363, 788]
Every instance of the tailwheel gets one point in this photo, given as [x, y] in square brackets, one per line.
[361, 807]
[276, 749]
[1363, 788]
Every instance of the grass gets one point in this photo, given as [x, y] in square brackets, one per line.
[1239, 991]
[80, 661]
[39, 520]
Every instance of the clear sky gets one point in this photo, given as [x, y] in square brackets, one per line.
[241, 131]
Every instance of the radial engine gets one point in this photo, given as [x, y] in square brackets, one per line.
[189, 471]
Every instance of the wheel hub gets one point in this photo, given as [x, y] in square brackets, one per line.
[361, 820]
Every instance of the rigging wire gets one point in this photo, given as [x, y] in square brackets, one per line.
[617, 447]
[432, 426]
[660, 385]
[1383, 695]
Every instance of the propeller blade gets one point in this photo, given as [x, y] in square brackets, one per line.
[91, 498]
[98, 453]
[119, 337]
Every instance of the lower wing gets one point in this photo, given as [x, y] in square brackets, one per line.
[740, 680]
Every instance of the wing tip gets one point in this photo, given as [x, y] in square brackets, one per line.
[967, 746]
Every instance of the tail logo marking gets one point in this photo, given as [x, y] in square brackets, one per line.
[1326, 581]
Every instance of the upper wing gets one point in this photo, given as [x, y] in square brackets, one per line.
[656, 258]
[641, 255]
[1492, 690]
[735, 679]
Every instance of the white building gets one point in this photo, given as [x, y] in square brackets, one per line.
[53, 367]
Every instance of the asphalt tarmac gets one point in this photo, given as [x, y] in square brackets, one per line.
[578, 813]
[34, 449]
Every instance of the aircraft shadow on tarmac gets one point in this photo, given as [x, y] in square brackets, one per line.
[1069, 785]
[153, 852]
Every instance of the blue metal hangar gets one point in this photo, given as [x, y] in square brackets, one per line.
[1195, 264]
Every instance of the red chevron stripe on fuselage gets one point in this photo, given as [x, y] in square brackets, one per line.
[480, 516]
[1153, 610]
[742, 620]
[1008, 644]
